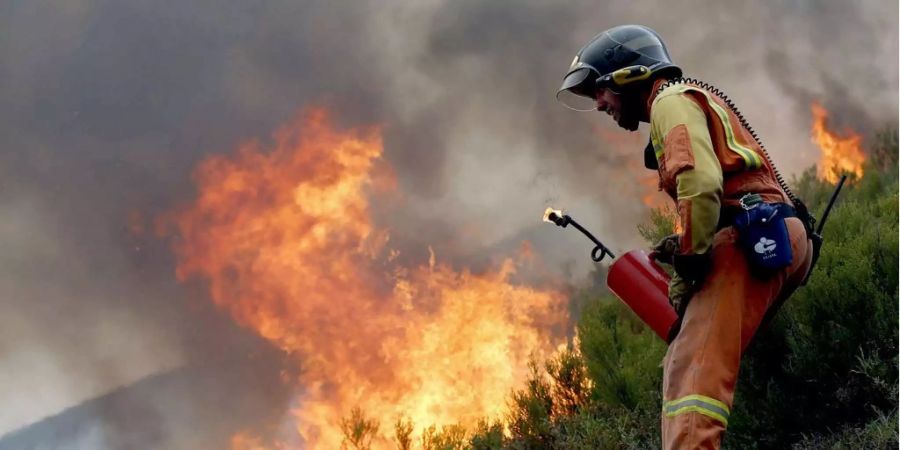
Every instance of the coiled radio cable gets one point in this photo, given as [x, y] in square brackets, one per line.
[802, 211]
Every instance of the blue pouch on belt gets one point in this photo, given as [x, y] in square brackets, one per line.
[763, 233]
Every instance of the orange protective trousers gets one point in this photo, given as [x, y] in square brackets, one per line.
[701, 365]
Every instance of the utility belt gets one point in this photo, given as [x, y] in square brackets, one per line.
[729, 214]
[762, 232]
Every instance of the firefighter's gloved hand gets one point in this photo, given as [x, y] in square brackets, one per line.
[680, 292]
[664, 250]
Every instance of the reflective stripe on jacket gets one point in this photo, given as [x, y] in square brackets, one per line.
[707, 160]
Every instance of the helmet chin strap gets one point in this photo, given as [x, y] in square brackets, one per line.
[629, 123]
[630, 114]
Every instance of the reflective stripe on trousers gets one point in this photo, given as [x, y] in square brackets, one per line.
[700, 404]
[701, 366]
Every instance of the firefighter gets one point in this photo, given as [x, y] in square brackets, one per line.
[716, 171]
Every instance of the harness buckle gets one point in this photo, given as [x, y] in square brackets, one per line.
[750, 201]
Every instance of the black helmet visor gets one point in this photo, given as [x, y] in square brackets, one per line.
[579, 89]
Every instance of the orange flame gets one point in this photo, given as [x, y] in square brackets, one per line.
[285, 241]
[653, 199]
[839, 154]
[246, 441]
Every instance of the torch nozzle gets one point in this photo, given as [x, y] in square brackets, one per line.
[560, 221]
[556, 216]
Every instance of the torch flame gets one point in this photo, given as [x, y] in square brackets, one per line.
[550, 211]
[839, 154]
[284, 239]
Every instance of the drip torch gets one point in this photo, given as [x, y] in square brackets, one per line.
[634, 278]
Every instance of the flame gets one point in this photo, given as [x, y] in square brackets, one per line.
[549, 211]
[246, 441]
[651, 197]
[283, 238]
[839, 154]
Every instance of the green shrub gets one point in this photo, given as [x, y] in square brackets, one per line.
[829, 359]
[879, 433]
[487, 436]
[622, 355]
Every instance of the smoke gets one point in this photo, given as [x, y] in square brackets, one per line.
[106, 106]
[851, 74]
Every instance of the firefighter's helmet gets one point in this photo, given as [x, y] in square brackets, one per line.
[618, 59]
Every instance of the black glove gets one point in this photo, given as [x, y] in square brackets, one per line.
[664, 251]
[680, 292]
[692, 268]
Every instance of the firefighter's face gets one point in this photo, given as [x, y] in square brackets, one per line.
[612, 104]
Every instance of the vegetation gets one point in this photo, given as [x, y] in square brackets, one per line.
[823, 374]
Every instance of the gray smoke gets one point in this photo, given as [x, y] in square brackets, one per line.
[106, 106]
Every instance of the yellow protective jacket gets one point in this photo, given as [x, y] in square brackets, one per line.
[707, 160]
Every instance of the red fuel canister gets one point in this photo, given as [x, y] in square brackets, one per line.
[644, 287]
